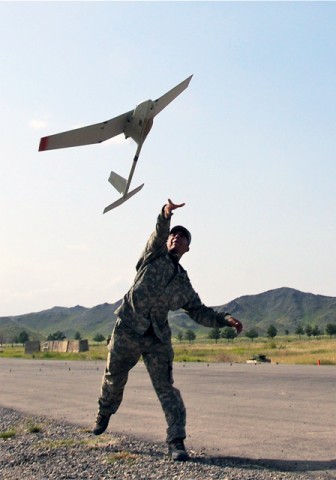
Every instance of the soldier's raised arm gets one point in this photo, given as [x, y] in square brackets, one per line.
[156, 243]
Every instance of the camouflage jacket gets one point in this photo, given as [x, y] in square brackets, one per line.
[161, 284]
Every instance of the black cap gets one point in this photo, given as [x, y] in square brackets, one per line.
[183, 230]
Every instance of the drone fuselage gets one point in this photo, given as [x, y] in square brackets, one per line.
[135, 124]
[140, 122]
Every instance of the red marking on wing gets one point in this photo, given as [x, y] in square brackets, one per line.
[43, 144]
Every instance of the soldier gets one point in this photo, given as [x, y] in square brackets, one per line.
[160, 285]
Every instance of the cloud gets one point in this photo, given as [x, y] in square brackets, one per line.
[80, 247]
[37, 124]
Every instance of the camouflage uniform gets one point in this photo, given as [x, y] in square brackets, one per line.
[142, 329]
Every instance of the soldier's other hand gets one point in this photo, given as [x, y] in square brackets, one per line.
[233, 322]
[170, 206]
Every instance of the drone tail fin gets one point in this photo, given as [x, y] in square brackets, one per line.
[118, 182]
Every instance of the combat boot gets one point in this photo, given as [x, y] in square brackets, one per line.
[177, 451]
[101, 424]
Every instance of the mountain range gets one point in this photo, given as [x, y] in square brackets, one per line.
[285, 308]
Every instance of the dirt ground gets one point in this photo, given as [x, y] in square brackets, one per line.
[278, 414]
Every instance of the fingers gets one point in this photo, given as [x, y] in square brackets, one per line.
[170, 206]
[236, 324]
[173, 205]
[239, 328]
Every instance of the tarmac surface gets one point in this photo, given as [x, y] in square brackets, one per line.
[284, 414]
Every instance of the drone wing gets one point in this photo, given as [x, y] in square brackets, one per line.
[86, 135]
[168, 97]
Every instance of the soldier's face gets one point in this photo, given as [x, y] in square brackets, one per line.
[177, 244]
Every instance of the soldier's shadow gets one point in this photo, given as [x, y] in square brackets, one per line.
[267, 464]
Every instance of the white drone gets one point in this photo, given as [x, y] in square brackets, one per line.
[135, 124]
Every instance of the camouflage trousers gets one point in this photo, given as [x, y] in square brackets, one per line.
[125, 349]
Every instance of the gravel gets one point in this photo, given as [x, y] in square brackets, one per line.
[37, 448]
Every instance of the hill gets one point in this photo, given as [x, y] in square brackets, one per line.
[283, 307]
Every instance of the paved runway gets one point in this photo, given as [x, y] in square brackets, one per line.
[274, 412]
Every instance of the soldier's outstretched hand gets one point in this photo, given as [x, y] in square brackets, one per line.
[170, 206]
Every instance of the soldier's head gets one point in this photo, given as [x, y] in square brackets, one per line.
[178, 241]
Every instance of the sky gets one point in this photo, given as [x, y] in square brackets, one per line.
[249, 146]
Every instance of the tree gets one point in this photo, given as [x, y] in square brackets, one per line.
[190, 335]
[229, 333]
[299, 330]
[316, 331]
[179, 336]
[214, 334]
[78, 336]
[272, 331]
[98, 337]
[23, 337]
[309, 330]
[331, 329]
[252, 334]
[56, 336]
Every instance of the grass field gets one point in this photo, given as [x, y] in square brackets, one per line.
[289, 350]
